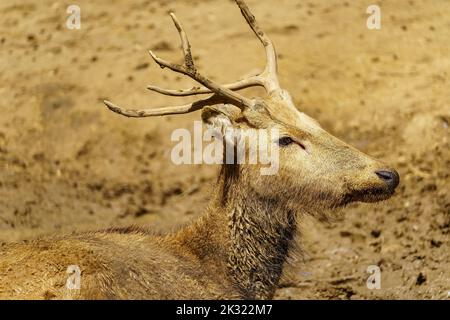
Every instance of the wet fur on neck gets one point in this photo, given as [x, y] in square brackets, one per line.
[262, 235]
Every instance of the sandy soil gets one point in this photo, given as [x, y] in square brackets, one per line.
[68, 164]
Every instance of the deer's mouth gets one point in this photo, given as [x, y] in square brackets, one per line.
[368, 195]
[379, 189]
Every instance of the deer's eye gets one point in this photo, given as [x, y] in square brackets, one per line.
[285, 141]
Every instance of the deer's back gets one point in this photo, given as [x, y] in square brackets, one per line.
[113, 265]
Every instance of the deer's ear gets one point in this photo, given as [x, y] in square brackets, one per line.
[220, 117]
[221, 123]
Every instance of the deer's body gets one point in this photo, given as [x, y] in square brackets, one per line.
[115, 264]
[214, 258]
[238, 248]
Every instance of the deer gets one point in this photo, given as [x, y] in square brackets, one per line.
[239, 247]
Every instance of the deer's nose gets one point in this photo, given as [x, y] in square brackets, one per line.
[390, 177]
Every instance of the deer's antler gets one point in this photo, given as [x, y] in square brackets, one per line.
[187, 108]
[221, 93]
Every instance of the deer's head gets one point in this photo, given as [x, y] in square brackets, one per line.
[314, 165]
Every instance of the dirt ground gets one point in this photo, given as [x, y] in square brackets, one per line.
[69, 164]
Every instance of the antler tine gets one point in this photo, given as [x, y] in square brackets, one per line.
[151, 112]
[189, 62]
[190, 70]
[269, 76]
[239, 85]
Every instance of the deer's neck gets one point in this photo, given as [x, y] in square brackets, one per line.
[247, 237]
[261, 233]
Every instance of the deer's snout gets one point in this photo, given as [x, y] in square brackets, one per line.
[390, 177]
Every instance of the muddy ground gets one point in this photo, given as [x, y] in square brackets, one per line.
[69, 164]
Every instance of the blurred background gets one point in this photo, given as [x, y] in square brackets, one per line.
[68, 164]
